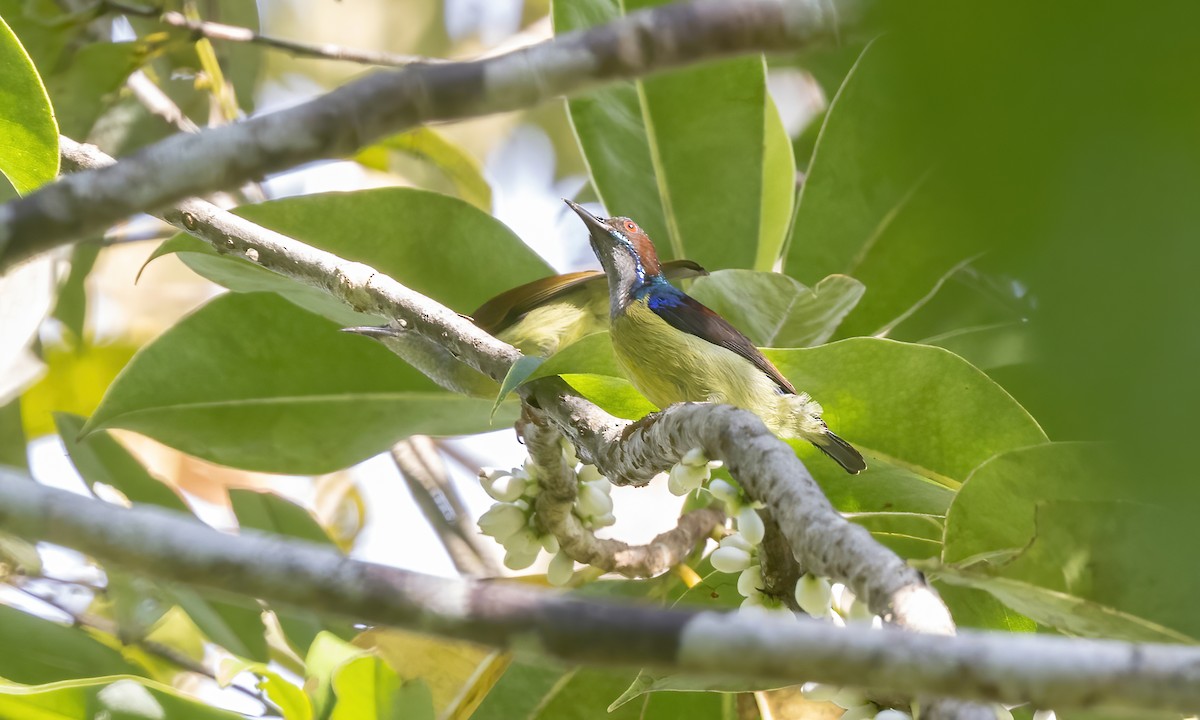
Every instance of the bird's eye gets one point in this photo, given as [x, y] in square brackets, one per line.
[631, 226]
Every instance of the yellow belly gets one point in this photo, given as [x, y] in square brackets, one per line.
[669, 366]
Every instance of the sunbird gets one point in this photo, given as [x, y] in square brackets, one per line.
[674, 349]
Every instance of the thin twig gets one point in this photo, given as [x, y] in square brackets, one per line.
[234, 33]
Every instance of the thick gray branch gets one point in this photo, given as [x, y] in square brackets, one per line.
[1047, 671]
[384, 103]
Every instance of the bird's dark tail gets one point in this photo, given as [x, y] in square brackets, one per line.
[842, 452]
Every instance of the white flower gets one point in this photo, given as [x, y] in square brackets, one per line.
[1002, 713]
[603, 521]
[730, 559]
[753, 607]
[848, 698]
[859, 612]
[593, 502]
[750, 581]
[1045, 715]
[549, 543]
[736, 540]
[590, 473]
[686, 478]
[892, 714]
[517, 560]
[503, 485]
[695, 458]
[750, 525]
[560, 570]
[866, 711]
[813, 596]
[569, 453]
[523, 542]
[502, 521]
[818, 692]
[726, 493]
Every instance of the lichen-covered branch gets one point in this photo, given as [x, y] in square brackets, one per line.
[1048, 671]
[384, 103]
[554, 507]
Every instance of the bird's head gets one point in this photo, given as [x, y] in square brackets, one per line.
[623, 248]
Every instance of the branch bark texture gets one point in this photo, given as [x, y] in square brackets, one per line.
[1047, 671]
[384, 103]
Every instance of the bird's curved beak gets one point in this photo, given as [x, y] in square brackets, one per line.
[594, 224]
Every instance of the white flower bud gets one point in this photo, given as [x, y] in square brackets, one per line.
[603, 521]
[753, 607]
[736, 540]
[686, 478]
[859, 612]
[843, 600]
[812, 595]
[523, 542]
[488, 475]
[750, 581]
[750, 525]
[730, 559]
[602, 484]
[1045, 715]
[505, 487]
[560, 570]
[848, 698]
[518, 560]
[569, 453]
[892, 714]
[593, 502]
[695, 458]
[549, 544]
[590, 473]
[528, 468]
[818, 692]
[726, 493]
[1002, 713]
[502, 521]
[866, 711]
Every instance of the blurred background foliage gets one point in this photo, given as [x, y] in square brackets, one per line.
[967, 229]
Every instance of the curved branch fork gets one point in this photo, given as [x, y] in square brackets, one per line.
[822, 540]
[556, 501]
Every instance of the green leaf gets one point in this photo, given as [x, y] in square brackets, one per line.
[326, 654]
[51, 652]
[234, 623]
[101, 459]
[774, 310]
[367, 688]
[113, 696]
[459, 166]
[908, 534]
[614, 395]
[437, 245]
[12, 436]
[1057, 533]
[923, 417]
[71, 306]
[978, 609]
[290, 700]
[28, 133]
[85, 86]
[274, 388]
[778, 189]
[521, 690]
[683, 153]
[515, 377]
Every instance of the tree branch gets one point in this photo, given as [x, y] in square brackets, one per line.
[234, 33]
[384, 103]
[1047, 671]
[556, 501]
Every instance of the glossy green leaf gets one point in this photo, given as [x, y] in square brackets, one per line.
[459, 166]
[367, 688]
[923, 417]
[910, 535]
[437, 245]
[778, 189]
[289, 698]
[114, 696]
[683, 153]
[272, 387]
[28, 132]
[521, 690]
[235, 624]
[270, 513]
[774, 310]
[1057, 533]
[101, 459]
[516, 375]
[974, 608]
[51, 652]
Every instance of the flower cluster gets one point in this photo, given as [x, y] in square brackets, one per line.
[512, 523]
